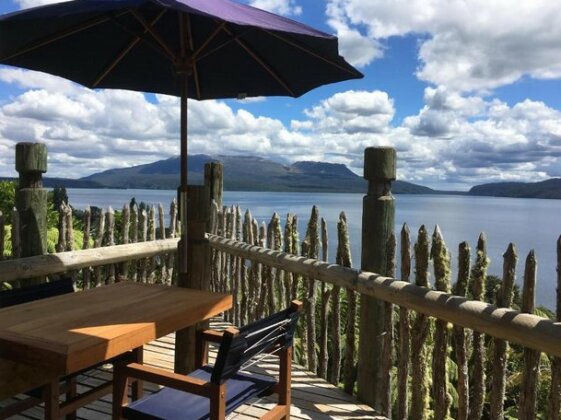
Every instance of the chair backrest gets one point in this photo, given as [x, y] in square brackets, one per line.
[263, 336]
[36, 292]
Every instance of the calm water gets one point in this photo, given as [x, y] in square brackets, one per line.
[529, 223]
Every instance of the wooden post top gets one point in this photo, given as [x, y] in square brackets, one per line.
[379, 163]
[31, 157]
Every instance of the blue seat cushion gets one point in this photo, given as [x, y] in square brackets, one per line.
[171, 404]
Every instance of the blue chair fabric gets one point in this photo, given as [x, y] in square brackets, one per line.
[39, 291]
[237, 347]
[172, 404]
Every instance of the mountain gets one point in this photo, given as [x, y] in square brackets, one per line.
[246, 173]
[62, 182]
[550, 188]
[251, 173]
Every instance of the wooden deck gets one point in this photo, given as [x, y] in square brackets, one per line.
[312, 397]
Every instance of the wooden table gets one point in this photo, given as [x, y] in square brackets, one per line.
[72, 332]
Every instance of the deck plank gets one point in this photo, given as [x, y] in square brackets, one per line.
[312, 397]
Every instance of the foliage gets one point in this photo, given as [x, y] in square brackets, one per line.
[52, 239]
[493, 286]
[7, 240]
[7, 198]
[59, 197]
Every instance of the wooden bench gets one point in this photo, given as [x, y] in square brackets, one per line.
[212, 392]
[35, 381]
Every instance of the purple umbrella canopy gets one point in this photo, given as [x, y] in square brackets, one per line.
[202, 49]
[231, 50]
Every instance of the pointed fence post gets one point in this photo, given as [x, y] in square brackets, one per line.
[378, 217]
[214, 179]
[198, 261]
[31, 199]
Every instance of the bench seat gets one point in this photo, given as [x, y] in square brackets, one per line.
[171, 404]
[18, 378]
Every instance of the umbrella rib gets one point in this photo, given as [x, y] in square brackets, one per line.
[306, 50]
[207, 41]
[197, 84]
[125, 51]
[61, 35]
[171, 55]
[194, 64]
[189, 32]
[253, 55]
[224, 44]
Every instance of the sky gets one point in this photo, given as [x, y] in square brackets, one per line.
[467, 91]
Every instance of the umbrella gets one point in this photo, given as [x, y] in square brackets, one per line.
[202, 49]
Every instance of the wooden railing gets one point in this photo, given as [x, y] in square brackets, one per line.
[525, 329]
[534, 333]
[110, 250]
[63, 262]
[261, 266]
[486, 349]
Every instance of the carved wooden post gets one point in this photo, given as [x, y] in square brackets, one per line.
[198, 261]
[377, 225]
[31, 198]
[214, 180]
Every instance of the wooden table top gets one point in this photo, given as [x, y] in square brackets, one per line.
[75, 331]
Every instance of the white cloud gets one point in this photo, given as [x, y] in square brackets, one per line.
[32, 80]
[354, 112]
[519, 143]
[454, 141]
[357, 48]
[255, 99]
[280, 7]
[467, 45]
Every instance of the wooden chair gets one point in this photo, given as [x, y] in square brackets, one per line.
[37, 383]
[212, 392]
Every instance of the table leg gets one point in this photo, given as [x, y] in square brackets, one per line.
[52, 392]
[138, 385]
[120, 390]
[71, 393]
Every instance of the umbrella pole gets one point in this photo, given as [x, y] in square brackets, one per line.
[182, 260]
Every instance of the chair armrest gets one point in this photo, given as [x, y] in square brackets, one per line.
[211, 336]
[201, 350]
[166, 378]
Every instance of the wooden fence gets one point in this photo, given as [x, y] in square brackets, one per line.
[465, 355]
[450, 357]
[134, 226]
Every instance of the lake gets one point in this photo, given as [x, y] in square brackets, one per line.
[528, 223]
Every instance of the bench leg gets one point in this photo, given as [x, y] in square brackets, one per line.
[218, 402]
[137, 385]
[285, 380]
[71, 393]
[52, 392]
[120, 394]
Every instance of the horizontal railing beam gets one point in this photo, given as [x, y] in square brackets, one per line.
[44, 265]
[525, 329]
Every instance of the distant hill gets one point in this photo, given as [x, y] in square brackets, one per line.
[246, 173]
[250, 173]
[550, 188]
[62, 182]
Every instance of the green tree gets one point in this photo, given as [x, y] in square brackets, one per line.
[7, 198]
[59, 196]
